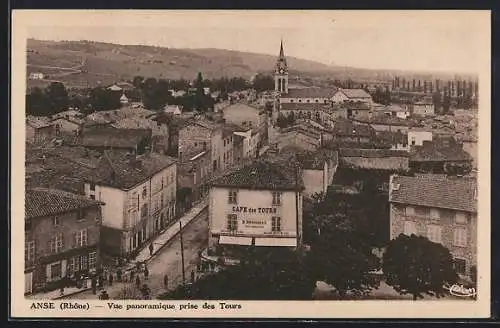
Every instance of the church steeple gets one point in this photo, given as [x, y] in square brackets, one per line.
[281, 72]
[282, 53]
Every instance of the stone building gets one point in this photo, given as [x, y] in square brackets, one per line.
[62, 235]
[441, 208]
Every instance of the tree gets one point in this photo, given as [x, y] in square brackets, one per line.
[267, 273]
[436, 100]
[416, 266]
[137, 82]
[57, 97]
[37, 103]
[102, 99]
[263, 83]
[446, 102]
[341, 259]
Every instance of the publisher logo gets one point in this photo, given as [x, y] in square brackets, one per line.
[461, 291]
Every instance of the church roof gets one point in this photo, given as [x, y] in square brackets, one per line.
[310, 93]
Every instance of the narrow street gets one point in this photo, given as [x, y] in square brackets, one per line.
[167, 260]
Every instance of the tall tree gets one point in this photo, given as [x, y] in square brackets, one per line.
[268, 274]
[102, 99]
[57, 96]
[37, 103]
[343, 260]
[416, 266]
[436, 100]
[137, 82]
[263, 83]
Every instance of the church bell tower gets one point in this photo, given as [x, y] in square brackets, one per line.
[281, 73]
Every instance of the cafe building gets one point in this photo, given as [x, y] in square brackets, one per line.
[257, 205]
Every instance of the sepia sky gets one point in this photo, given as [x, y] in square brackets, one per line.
[409, 40]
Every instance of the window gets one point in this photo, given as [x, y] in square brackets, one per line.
[435, 214]
[326, 101]
[81, 215]
[276, 198]
[27, 225]
[162, 200]
[92, 186]
[232, 197]
[460, 265]
[144, 210]
[413, 142]
[460, 237]
[434, 233]
[56, 243]
[232, 222]
[92, 260]
[92, 196]
[460, 218]
[81, 238]
[300, 100]
[410, 228]
[276, 224]
[144, 192]
[56, 271]
[84, 262]
[56, 221]
[29, 251]
[422, 211]
[162, 182]
[291, 100]
[74, 264]
[317, 100]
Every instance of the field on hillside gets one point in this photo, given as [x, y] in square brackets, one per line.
[107, 63]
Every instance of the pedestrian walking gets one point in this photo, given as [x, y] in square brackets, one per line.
[138, 281]
[94, 285]
[146, 273]
[110, 279]
[165, 281]
[119, 275]
[104, 295]
[151, 248]
[192, 276]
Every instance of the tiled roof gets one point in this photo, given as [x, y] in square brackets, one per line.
[355, 105]
[38, 122]
[437, 151]
[309, 93]
[135, 123]
[40, 202]
[239, 106]
[456, 193]
[372, 153]
[374, 159]
[348, 128]
[355, 93]
[59, 167]
[261, 175]
[123, 171]
[304, 106]
[388, 120]
[392, 137]
[113, 137]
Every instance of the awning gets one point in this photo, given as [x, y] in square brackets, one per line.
[234, 240]
[287, 242]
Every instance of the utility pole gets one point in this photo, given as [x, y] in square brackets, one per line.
[182, 254]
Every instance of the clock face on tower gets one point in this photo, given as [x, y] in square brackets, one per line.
[282, 70]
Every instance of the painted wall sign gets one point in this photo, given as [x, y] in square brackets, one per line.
[261, 210]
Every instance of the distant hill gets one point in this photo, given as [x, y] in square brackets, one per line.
[104, 63]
